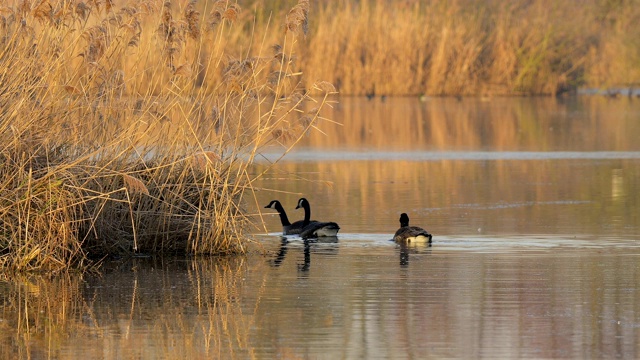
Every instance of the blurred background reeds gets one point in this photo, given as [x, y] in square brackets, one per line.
[464, 47]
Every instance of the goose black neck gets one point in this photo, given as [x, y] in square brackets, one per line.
[283, 215]
[307, 213]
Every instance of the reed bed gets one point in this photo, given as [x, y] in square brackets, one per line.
[130, 127]
[475, 47]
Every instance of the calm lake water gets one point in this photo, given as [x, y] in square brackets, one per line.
[535, 209]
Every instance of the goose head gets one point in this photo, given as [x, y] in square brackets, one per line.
[303, 203]
[274, 204]
[404, 220]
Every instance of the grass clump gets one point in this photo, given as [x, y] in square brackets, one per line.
[131, 128]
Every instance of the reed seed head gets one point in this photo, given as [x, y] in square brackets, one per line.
[192, 18]
[276, 77]
[83, 10]
[232, 12]
[306, 120]
[134, 185]
[296, 98]
[298, 18]
[325, 86]
[183, 70]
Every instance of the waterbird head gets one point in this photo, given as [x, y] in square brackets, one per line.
[272, 205]
[404, 220]
[302, 203]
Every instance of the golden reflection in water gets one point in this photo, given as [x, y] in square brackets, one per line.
[172, 309]
[584, 196]
[464, 197]
[332, 300]
[499, 124]
[35, 314]
[460, 305]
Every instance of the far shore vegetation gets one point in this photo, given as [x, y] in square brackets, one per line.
[467, 47]
[130, 126]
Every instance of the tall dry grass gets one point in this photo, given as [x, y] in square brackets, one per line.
[476, 47]
[129, 127]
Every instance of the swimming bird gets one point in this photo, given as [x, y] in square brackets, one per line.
[411, 234]
[317, 229]
[287, 227]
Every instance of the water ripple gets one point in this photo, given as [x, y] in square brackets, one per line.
[477, 244]
[333, 155]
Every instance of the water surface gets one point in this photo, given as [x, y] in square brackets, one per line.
[535, 209]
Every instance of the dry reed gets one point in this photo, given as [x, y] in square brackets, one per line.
[477, 47]
[131, 129]
[410, 47]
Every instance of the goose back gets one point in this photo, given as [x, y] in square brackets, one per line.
[318, 228]
[411, 234]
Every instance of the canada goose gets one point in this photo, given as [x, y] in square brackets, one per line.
[408, 234]
[287, 227]
[314, 230]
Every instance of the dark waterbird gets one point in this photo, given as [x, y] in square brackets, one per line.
[411, 234]
[318, 228]
[287, 227]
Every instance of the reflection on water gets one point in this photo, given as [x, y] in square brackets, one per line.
[360, 297]
[474, 124]
[450, 197]
[330, 246]
[503, 166]
[141, 308]
[534, 253]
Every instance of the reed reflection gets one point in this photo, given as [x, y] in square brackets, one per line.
[355, 303]
[497, 124]
[141, 308]
[37, 314]
[470, 197]
[535, 195]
